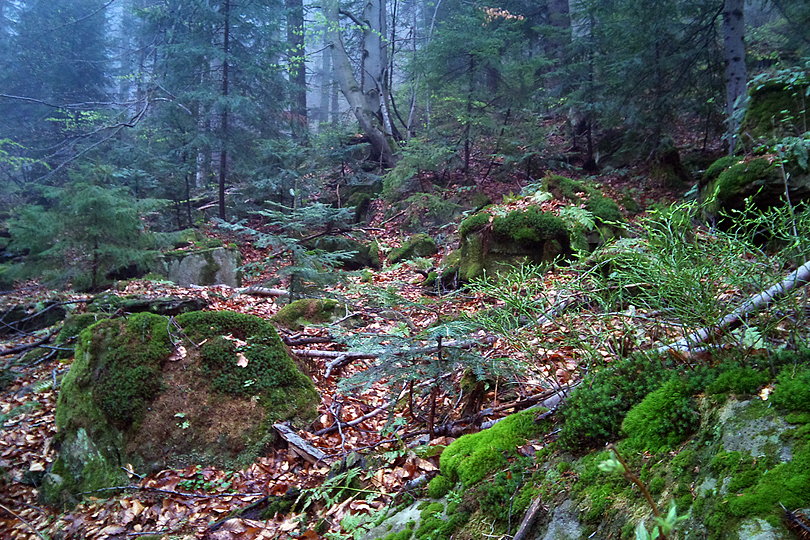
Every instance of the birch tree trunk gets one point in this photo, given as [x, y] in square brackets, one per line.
[736, 76]
[363, 105]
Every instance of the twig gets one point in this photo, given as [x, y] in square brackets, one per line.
[27, 346]
[338, 362]
[24, 522]
[132, 487]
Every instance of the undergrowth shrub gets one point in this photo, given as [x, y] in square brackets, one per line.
[593, 413]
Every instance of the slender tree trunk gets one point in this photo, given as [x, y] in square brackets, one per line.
[297, 68]
[736, 76]
[326, 83]
[364, 106]
[223, 154]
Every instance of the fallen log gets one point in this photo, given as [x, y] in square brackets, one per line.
[263, 291]
[798, 278]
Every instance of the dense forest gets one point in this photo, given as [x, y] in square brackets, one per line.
[395, 269]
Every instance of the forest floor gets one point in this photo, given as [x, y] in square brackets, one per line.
[185, 503]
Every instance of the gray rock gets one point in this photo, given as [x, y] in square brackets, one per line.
[759, 529]
[750, 427]
[215, 266]
[396, 523]
[564, 524]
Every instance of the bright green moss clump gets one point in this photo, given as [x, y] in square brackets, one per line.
[602, 208]
[531, 226]
[472, 457]
[473, 223]
[740, 175]
[122, 360]
[439, 486]
[738, 380]
[268, 371]
[662, 420]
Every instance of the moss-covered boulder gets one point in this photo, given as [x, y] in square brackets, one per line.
[777, 107]
[299, 313]
[493, 240]
[418, 245]
[207, 266]
[491, 244]
[731, 180]
[108, 303]
[145, 394]
[362, 255]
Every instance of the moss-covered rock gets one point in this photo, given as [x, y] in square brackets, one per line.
[362, 256]
[108, 303]
[418, 245]
[730, 181]
[776, 108]
[207, 266]
[490, 244]
[132, 397]
[299, 313]
[663, 419]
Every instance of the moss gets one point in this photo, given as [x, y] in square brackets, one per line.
[775, 109]
[473, 223]
[603, 208]
[506, 496]
[593, 413]
[296, 315]
[662, 420]
[418, 245]
[738, 380]
[798, 418]
[786, 484]
[715, 169]
[737, 177]
[122, 359]
[472, 457]
[792, 391]
[402, 535]
[361, 203]
[439, 486]
[563, 187]
[270, 372]
[530, 226]
[435, 524]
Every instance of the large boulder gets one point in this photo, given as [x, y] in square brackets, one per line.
[493, 240]
[210, 266]
[731, 180]
[777, 107]
[143, 394]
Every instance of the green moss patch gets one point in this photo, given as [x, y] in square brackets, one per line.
[531, 226]
[132, 397]
[418, 245]
[663, 419]
[472, 457]
[300, 313]
[793, 389]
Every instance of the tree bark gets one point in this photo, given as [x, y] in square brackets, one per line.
[297, 68]
[363, 105]
[223, 154]
[736, 76]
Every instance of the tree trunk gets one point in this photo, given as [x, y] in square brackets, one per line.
[223, 154]
[364, 106]
[326, 83]
[736, 76]
[297, 68]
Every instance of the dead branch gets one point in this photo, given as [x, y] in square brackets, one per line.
[760, 301]
[338, 362]
[299, 446]
[263, 291]
[28, 346]
[529, 519]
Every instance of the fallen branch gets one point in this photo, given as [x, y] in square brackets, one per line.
[299, 446]
[798, 278]
[24, 522]
[529, 519]
[263, 291]
[27, 346]
[338, 362]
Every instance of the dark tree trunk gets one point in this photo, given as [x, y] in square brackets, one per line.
[297, 69]
[223, 154]
[736, 76]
